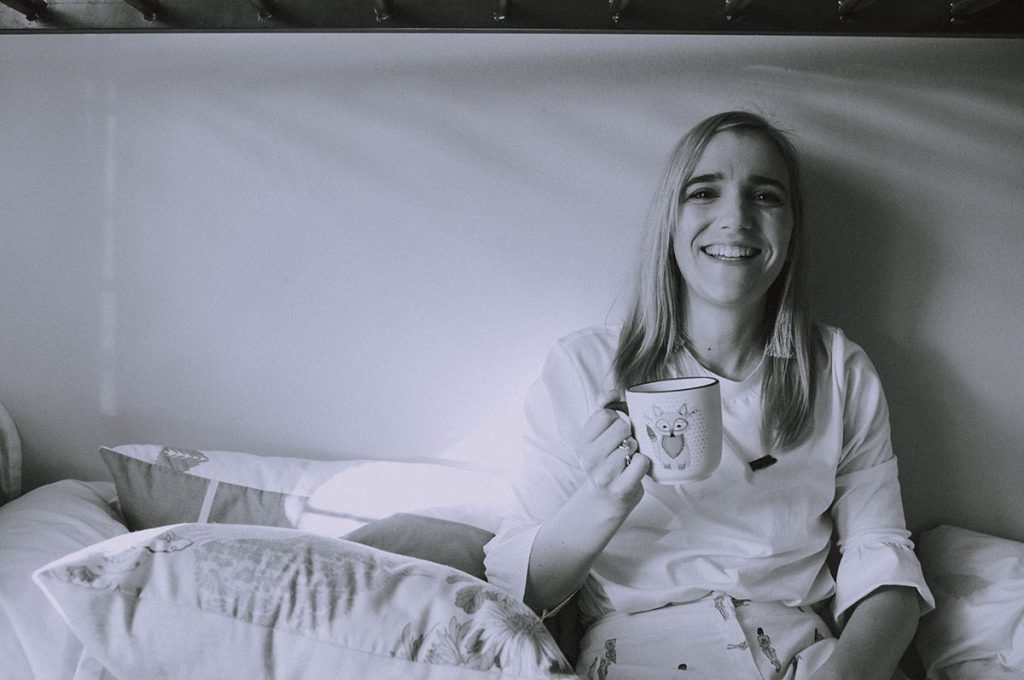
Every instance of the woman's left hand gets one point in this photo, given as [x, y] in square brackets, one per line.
[877, 633]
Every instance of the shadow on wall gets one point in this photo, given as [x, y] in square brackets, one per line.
[868, 274]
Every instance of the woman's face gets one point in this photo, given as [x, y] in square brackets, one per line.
[735, 221]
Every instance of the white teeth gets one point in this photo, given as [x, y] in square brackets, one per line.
[730, 251]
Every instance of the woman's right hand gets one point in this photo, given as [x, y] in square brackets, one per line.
[604, 446]
[565, 547]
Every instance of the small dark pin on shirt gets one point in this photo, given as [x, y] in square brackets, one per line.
[763, 462]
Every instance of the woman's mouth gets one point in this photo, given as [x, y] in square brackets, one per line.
[730, 253]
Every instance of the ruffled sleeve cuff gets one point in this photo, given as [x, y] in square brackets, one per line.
[507, 558]
[871, 565]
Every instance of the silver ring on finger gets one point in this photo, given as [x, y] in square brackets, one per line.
[629, 452]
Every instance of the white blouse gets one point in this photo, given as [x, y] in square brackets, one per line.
[761, 535]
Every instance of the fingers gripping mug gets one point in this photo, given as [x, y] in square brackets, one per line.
[678, 425]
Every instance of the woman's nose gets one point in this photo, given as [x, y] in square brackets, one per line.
[736, 213]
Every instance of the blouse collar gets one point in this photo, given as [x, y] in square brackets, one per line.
[687, 364]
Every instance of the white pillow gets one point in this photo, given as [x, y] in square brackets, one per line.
[160, 485]
[35, 529]
[976, 631]
[234, 601]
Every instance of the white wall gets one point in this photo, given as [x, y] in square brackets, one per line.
[338, 245]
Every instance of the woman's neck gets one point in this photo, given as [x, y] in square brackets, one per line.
[726, 341]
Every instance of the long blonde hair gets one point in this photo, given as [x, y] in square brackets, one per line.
[655, 321]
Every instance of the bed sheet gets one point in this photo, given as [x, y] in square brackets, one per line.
[37, 528]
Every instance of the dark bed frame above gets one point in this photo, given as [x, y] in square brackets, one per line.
[952, 18]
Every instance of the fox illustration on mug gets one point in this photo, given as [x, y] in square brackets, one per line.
[669, 428]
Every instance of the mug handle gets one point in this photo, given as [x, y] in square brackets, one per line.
[619, 406]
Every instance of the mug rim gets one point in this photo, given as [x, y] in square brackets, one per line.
[705, 381]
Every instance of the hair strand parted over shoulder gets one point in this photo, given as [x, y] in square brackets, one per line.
[654, 327]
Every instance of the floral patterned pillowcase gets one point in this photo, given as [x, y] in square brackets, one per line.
[232, 601]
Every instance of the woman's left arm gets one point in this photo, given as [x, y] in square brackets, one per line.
[878, 631]
[880, 589]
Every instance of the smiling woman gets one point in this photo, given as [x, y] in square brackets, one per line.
[735, 223]
[728, 571]
[733, 181]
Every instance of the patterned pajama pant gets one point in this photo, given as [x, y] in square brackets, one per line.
[716, 638]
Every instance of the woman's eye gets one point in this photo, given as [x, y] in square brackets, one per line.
[700, 195]
[768, 198]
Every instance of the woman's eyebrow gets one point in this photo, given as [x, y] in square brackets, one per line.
[770, 181]
[701, 179]
[753, 179]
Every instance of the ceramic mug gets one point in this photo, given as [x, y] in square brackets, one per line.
[677, 423]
